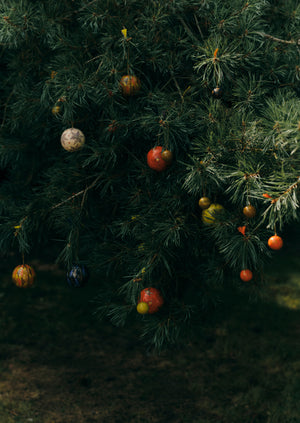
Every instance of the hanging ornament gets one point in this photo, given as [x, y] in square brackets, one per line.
[155, 160]
[23, 276]
[217, 92]
[249, 211]
[167, 156]
[55, 110]
[130, 85]
[246, 275]
[77, 276]
[153, 298]
[72, 139]
[204, 203]
[212, 214]
[142, 308]
[275, 242]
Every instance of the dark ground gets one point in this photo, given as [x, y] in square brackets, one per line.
[60, 365]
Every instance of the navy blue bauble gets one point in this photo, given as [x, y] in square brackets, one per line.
[77, 276]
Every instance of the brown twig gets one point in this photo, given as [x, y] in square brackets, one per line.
[84, 191]
[279, 40]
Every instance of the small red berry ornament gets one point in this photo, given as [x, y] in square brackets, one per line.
[23, 276]
[246, 275]
[153, 298]
[130, 85]
[155, 160]
[275, 242]
[249, 211]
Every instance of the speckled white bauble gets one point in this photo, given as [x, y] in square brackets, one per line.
[72, 139]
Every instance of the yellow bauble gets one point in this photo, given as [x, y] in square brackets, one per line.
[210, 215]
[142, 307]
[23, 276]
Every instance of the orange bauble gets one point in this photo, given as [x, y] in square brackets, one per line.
[246, 275]
[130, 85]
[23, 276]
[249, 211]
[153, 298]
[275, 242]
[155, 160]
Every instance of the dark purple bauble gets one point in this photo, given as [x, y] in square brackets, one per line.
[77, 276]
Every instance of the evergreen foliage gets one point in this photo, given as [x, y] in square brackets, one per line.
[102, 205]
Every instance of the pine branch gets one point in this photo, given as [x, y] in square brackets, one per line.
[279, 40]
[84, 191]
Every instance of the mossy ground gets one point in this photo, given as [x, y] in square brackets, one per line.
[59, 365]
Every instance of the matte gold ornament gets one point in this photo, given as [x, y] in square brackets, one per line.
[72, 139]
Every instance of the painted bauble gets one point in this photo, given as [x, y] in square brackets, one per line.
[167, 156]
[275, 242]
[130, 85]
[23, 276]
[211, 215]
[249, 211]
[155, 160]
[142, 308]
[153, 298]
[204, 203]
[77, 276]
[72, 139]
[246, 275]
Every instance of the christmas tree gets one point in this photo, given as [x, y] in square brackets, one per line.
[154, 142]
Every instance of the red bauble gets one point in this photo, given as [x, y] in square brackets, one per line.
[275, 242]
[153, 298]
[246, 275]
[155, 160]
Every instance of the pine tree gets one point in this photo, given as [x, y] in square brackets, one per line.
[219, 92]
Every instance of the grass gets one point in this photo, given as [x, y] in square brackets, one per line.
[58, 365]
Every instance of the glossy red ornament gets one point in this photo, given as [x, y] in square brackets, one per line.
[155, 160]
[275, 242]
[153, 298]
[246, 275]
